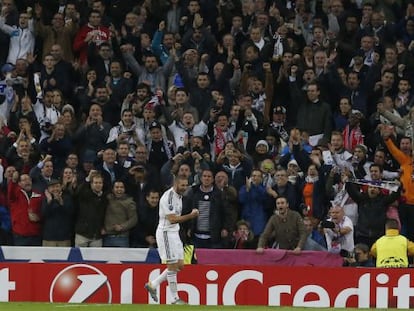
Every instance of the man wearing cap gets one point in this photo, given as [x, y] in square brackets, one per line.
[88, 159]
[278, 122]
[160, 149]
[58, 212]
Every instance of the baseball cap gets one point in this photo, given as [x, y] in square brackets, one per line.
[279, 110]
[53, 181]
[89, 156]
[154, 124]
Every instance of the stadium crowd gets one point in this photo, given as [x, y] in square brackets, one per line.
[292, 120]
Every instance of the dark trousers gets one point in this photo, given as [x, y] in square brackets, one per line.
[205, 243]
[20, 240]
[406, 212]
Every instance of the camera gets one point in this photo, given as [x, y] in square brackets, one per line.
[327, 224]
[347, 254]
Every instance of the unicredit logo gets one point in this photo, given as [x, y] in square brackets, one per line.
[80, 283]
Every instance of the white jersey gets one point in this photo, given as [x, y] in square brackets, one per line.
[170, 203]
[336, 242]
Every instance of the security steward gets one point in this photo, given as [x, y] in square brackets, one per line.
[392, 249]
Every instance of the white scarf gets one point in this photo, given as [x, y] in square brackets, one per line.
[260, 44]
[312, 180]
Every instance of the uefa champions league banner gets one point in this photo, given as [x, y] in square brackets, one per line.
[209, 285]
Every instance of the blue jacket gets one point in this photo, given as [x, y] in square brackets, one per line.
[254, 207]
[158, 48]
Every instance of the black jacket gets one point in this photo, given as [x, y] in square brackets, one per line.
[90, 213]
[217, 215]
[372, 212]
[58, 219]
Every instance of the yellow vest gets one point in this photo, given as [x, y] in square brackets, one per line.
[392, 252]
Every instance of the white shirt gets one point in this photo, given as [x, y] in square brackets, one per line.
[179, 133]
[336, 242]
[170, 203]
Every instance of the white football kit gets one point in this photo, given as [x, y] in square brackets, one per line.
[170, 247]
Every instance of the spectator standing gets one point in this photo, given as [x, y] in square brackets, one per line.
[404, 157]
[230, 199]
[93, 33]
[41, 174]
[120, 217]
[22, 37]
[151, 72]
[58, 211]
[285, 227]
[340, 232]
[11, 17]
[252, 200]
[208, 229]
[25, 211]
[91, 205]
[58, 32]
[313, 115]
[372, 211]
[147, 221]
[93, 133]
[392, 249]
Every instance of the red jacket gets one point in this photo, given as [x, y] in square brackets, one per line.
[101, 34]
[20, 204]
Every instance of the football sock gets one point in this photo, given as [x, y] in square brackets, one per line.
[159, 279]
[172, 284]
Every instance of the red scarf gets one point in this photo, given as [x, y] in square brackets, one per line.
[219, 141]
[352, 138]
